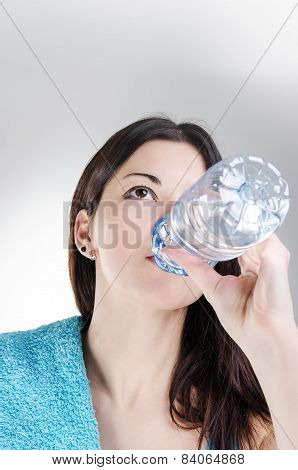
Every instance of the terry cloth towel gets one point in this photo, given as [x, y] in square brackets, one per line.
[46, 402]
[45, 394]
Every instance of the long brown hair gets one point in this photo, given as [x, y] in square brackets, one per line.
[212, 382]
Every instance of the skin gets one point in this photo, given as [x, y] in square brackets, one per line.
[131, 366]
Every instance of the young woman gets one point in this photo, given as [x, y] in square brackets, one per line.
[177, 362]
[154, 360]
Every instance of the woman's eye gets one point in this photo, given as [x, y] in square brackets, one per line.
[140, 192]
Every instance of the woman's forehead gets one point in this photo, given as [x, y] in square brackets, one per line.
[177, 165]
[167, 161]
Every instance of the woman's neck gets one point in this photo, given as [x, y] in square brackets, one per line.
[130, 350]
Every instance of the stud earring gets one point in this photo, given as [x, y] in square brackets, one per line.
[83, 248]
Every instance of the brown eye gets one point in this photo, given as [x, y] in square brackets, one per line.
[140, 191]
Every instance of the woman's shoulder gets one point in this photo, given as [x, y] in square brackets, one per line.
[44, 390]
[62, 323]
[59, 326]
[26, 348]
[264, 434]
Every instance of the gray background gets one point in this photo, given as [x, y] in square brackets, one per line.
[74, 72]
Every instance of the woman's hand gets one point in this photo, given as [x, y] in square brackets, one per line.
[256, 308]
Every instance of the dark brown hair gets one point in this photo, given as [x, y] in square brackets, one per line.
[213, 382]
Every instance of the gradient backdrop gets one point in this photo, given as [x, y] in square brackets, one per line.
[74, 72]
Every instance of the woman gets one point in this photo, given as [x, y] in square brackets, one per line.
[172, 362]
[160, 345]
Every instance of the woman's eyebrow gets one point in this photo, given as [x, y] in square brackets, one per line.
[152, 178]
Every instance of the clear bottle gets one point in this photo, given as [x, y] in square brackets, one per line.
[237, 203]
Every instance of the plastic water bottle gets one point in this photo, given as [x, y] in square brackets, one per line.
[237, 203]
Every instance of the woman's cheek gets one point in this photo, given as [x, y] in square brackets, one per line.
[121, 240]
[133, 226]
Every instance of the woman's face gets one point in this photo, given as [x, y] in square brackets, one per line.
[123, 223]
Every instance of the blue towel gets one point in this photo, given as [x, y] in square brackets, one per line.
[45, 400]
[45, 392]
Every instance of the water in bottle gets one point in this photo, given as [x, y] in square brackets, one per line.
[235, 204]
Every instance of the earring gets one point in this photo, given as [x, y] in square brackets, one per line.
[83, 248]
[92, 255]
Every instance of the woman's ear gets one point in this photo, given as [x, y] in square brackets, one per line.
[81, 234]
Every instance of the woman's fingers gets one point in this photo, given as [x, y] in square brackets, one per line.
[248, 268]
[271, 248]
[197, 269]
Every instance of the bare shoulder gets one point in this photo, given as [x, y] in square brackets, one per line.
[263, 434]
